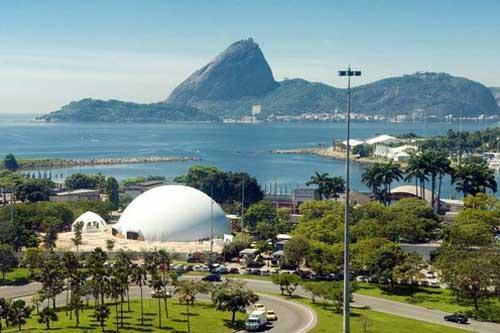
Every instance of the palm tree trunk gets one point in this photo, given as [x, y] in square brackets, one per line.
[187, 315]
[142, 308]
[440, 183]
[159, 312]
[433, 189]
[116, 312]
[121, 310]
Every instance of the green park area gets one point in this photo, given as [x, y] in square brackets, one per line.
[203, 318]
[369, 321]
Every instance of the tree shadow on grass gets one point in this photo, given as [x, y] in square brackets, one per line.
[237, 325]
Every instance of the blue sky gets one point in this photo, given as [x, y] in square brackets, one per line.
[53, 52]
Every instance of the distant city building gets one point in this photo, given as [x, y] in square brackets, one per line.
[76, 195]
[134, 190]
[294, 199]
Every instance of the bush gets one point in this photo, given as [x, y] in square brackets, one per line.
[486, 313]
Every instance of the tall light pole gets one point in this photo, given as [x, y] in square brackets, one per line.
[346, 314]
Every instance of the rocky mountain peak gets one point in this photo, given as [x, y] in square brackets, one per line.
[240, 70]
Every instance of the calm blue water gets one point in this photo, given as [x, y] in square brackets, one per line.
[238, 147]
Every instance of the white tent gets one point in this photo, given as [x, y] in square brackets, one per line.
[91, 223]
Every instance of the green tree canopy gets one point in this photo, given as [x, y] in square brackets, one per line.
[10, 162]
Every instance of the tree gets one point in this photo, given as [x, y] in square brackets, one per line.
[115, 291]
[4, 311]
[186, 292]
[18, 313]
[34, 190]
[416, 170]
[286, 282]
[156, 283]
[110, 244]
[316, 289]
[32, 259]
[111, 188]
[232, 296]
[50, 237]
[226, 187]
[101, 314]
[97, 272]
[80, 181]
[259, 212]
[52, 277]
[77, 239]
[8, 260]
[46, 316]
[474, 176]
[372, 178]
[408, 270]
[10, 162]
[296, 249]
[138, 277]
[320, 180]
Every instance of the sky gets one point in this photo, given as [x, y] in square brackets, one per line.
[54, 52]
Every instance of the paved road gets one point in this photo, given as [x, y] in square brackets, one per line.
[376, 304]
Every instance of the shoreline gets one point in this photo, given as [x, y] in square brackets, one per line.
[330, 153]
[27, 164]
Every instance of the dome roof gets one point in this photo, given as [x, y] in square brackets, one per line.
[91, 222]
[173, 213]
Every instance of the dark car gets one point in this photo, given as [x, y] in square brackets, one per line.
[457, 318]
[234, 270]
[212, 278]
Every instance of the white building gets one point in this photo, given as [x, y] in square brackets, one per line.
[91, 223]
[172, 213]
[383, 139]
[397, 154]
[353, 142]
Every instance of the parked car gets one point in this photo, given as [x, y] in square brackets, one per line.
[457, 318]
[430, 275]
[271, 315]
[221, 270]
[160, 293]
[234, 270]
[258, 306]
[256, 321]
[212, 278]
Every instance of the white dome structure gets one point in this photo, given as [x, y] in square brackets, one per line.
[91, 223]
[173, 213]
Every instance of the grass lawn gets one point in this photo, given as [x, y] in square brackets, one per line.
[16, 277]
[204, 318]
[432, 298]
[329, 321]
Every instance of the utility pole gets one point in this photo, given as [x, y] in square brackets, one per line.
[346, 314]
[211, 220]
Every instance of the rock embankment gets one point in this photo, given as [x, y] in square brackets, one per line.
[64, 163]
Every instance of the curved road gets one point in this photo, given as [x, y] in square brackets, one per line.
[294, 317]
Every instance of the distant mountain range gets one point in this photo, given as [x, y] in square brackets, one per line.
[240, 77]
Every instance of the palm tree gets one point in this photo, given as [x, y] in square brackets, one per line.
[156, 283]
[372, 178]
[320, 179]
[46, 316]
[101, 314]
[4, 310]
[115, 291]
[164, 261]
[139, 277]
[77, 285]
[474, 176]
[335, 185]
[70, 265]
[18, 313]
[415, 170]
[97, 271]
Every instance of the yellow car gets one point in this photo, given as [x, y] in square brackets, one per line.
[258, 306]
[271, 315]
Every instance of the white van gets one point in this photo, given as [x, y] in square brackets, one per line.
[256, 320]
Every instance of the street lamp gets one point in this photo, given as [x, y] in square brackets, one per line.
[349, 72]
